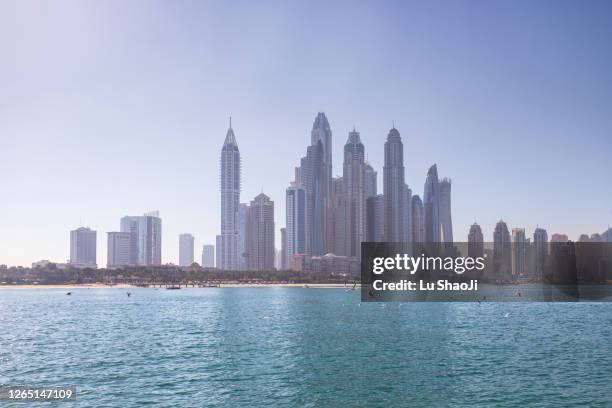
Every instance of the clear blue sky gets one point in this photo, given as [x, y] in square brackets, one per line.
[113, 108]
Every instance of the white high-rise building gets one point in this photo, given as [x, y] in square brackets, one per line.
[83, 248]
[354, 186]
[118, 249]
[145, 239]
[394, 186]
[230, 201]
[295, 221]
[431, 206]
[208, 256]
[446, 221]
[186, 243]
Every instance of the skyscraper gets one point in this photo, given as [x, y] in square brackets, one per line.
[118, 249]
[519, 253]
[407, 232]
[354, 184]
[431, 206]
[418, 220]
[295, 222]
[217, 251]
[446, 222]
[502, 256]
[337, 224]
[243, 236]
[83, 248]
[282, 255]
[315, 176]
[475, 241]
[375, 218]
[540, 243]
[370, 181]
[393, 180]
[208, 256]
[475, 248]
[230, 200]
[145, 238]
[186, 242]
[261, 234]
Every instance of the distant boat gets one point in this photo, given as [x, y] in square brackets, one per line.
[69, 293]
[129, 294]
[173, 287]
[306, 286]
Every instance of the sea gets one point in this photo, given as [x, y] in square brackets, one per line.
[301, 347]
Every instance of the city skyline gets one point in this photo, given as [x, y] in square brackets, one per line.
[137, 124]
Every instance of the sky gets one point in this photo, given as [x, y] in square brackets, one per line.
[113, 108]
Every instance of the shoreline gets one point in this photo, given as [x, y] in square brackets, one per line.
[222, 285]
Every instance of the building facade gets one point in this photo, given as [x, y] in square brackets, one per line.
[208, 256]
[145, 238]
[295, 222]
[261, 251]
[118, 249]
[230, 200]
[83, 248]
[186, 249]
[393, 186]
[431, 205]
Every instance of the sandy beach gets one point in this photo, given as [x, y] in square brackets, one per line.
[222, 285]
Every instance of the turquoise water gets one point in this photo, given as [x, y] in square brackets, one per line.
[294, 347]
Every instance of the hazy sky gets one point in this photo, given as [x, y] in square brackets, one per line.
[113, 108]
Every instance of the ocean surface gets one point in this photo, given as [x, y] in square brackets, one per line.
[296, 347]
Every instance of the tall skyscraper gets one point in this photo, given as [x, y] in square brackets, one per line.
[393, 180]
[431, 205]
[370, 181]
[475, 241]
[295, 222]
[243, 236]
[446, 221]
[519, 253]
[83, 248]
[118, 249]
[282, 255]
[337, 224]
[145, 238]
[354, 179]
[230, 200]
[217, 251]
[261, 234]
[208, 256]
[502, 256]
[407, 233]
[540, 243]
[315, 174]
[375, 218]
[418, 219]
[186, 244]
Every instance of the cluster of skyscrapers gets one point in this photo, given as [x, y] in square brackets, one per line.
[328, 215]
[327, 218]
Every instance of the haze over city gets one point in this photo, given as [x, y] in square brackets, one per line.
[111, 109]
